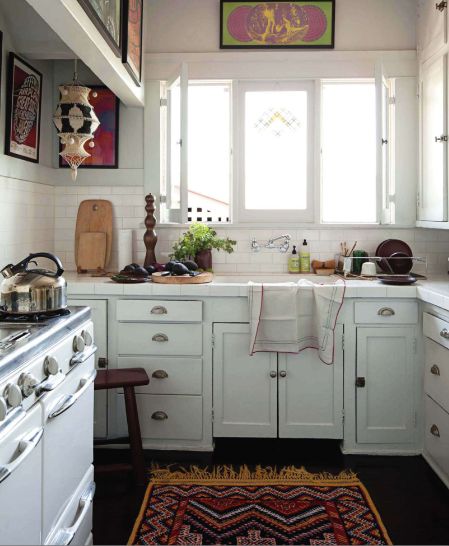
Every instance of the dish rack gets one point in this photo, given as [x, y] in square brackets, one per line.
[345, 265]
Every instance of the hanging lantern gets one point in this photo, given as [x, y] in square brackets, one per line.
[76, 122]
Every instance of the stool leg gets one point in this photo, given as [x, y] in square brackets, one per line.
[135, 438]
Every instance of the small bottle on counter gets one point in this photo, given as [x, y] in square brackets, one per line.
[304, 258]
[293, 262]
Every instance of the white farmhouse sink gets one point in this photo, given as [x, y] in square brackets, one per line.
[240, 278]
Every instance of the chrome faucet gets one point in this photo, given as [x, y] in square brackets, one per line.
[255, 246]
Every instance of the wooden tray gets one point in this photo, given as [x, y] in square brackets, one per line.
[202, 278]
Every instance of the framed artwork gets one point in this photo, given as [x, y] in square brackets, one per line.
[107, 16]
[132, 38]
[282, 24]
[104, 155]
[23, 110]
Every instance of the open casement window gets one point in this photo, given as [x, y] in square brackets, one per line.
[385, 142]
[275, 123]
[174, 180]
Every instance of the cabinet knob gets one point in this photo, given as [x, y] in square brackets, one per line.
[160, 374]
[159, 416]
[160, 338]
[435, 431]
[444, 333]
[273, 374]
[435, 370]
[159, 310]
[386, 312]
[360, 382]
[283, 373]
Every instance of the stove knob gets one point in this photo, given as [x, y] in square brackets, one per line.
[3, 408]
[87, 338]
[51, 366]
[78, 344]
[27, 383]
[13, 395]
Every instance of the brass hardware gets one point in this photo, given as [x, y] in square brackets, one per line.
[103, 362]
[159, 416]
[441, 6]
[360, 382]
[444, 333]
[158, 310]
[273, 374]
[160, 338]
[435, 370]
[386, 312]
[435, 431]
[283, 373]
[442, 138]
[160, 374]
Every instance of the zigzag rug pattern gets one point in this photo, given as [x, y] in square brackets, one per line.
[331, 511]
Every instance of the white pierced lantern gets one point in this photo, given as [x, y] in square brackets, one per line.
[76, 122]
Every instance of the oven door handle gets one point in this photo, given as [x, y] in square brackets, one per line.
[26, 446]
[65, 535]
[79, 358]
[70, 399]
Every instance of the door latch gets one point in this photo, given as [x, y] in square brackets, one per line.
[103, 362]
[360, 382]
[441, 6]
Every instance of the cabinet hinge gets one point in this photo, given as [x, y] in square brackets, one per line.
[213, 341]
[415, 345]
[212, 415]
[392, 100]
[163, 102]
[343, 342]
[343, 415]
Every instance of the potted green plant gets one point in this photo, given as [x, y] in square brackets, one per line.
[197, 244]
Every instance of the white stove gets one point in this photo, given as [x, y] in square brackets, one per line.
[47, 372]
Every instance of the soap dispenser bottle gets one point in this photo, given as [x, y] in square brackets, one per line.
[304, 258]
[293, 262]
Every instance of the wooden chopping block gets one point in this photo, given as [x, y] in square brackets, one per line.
[94, 216]
[92, 248]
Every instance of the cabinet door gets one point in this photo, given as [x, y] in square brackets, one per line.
[311, 394]
[431, 27]
[245, 393]
[385, 379]
[433, 190]
[100, 320]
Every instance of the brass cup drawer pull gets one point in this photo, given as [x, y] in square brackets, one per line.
[160, 338]
[160, 374]
[435, 431]
[386, 312]
[444, 333]
[159, 310]
[159, 416]
[435, 370]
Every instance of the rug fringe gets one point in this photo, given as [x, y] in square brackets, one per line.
[245, 474]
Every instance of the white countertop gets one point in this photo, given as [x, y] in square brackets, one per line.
[435, 290]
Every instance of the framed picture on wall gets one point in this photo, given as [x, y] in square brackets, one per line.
[283, 24]
[107, 16]
[104, 154]
[132, 38]
[23, 110]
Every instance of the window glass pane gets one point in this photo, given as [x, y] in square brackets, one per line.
[276, 150]
[349, 153]
[209, 152]
[174, 168]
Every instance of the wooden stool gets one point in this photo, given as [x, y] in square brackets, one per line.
[127, 379]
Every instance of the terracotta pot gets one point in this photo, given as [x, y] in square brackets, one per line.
[204, 259]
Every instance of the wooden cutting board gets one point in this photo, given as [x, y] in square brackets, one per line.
[94, 218]
[202, 278]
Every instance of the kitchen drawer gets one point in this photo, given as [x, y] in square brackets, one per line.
[180, 417]
[436, 373]
[437, 329]
[167, 375]
[159, 311]
[386, 312]
[436, 442]
[160, 339]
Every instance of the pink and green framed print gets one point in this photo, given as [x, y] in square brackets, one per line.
[248, 24]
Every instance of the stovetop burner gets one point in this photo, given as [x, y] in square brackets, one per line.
[33, 317]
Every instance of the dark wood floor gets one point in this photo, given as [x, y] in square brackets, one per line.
[412, 501]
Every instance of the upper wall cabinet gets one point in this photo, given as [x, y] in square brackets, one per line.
[432, 26]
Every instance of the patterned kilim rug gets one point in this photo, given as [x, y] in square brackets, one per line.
[265, 506]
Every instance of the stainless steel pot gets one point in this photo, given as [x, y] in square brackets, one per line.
[28, 291]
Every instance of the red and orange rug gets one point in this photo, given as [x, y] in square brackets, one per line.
[264, 506]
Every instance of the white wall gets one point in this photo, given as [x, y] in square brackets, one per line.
[361, 25]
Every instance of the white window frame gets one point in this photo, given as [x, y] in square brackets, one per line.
[272, 216]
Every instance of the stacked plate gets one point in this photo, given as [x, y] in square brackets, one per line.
[396, 262]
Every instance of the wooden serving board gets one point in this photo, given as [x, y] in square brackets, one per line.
[94, 216]
[202, 278]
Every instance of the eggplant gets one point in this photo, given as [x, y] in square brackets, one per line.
[192, 266]
[180, 269]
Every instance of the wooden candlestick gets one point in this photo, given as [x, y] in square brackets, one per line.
[150, 237]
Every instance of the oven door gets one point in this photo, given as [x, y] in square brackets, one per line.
[21, 480]
[68, 440]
